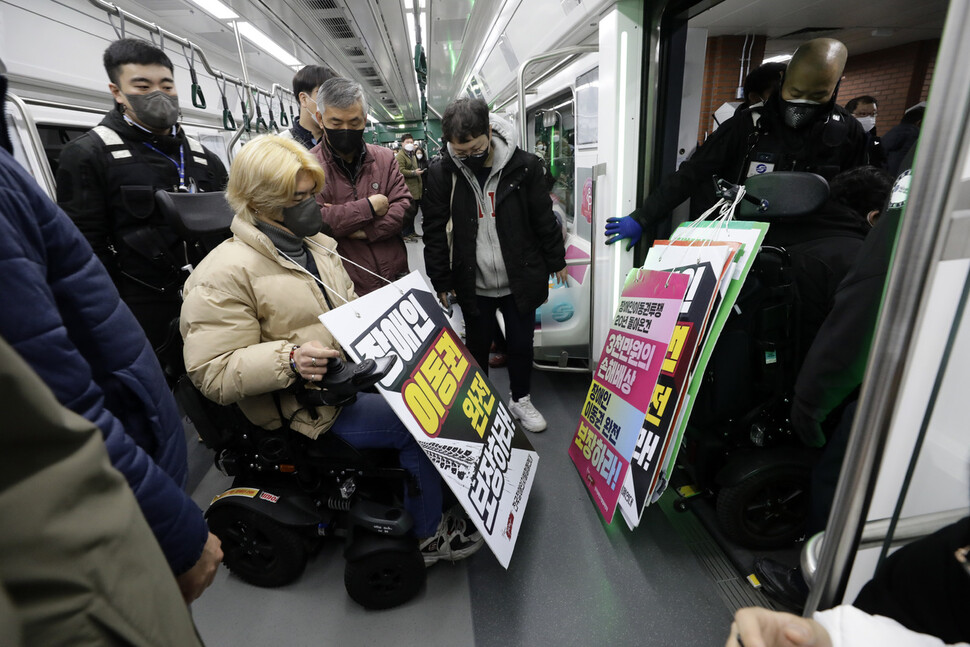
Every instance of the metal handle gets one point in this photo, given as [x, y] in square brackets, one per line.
[876, 532]
[113, 10]
[556, 53]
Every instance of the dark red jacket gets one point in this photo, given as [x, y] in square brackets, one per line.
[383, 252]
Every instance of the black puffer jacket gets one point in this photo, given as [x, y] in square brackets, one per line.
[529, 235]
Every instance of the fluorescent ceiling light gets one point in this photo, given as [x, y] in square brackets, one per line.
[216, 9]
[267, 44]
[371, 119]
[781, 58]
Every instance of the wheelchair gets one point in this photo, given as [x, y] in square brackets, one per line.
[290, 493]
[739, 447]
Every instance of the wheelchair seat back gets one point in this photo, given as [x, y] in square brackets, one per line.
[200, 219]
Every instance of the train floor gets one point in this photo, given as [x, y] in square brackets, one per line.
[573, 580]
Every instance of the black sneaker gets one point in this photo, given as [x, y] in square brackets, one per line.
[781, 583]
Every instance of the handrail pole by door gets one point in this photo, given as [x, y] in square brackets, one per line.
[35, 141]
[908, 286]
[556, 53]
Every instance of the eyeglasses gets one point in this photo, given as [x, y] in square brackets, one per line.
[476, 153]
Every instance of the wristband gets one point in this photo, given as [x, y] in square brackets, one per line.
[293, 363]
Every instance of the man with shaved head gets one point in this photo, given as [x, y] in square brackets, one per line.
[800, 128]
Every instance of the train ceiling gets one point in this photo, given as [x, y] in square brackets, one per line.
[864, 26]
[368, 39]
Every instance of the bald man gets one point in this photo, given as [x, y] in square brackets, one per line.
[800, 128]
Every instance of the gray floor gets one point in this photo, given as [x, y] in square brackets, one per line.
[572, 580]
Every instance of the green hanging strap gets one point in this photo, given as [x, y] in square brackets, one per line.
[198, 98]
[227, 121]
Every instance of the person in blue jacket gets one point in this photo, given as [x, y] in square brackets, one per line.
[61, 312]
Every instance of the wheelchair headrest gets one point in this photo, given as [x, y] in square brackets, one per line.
[788, 194]
[195, 216]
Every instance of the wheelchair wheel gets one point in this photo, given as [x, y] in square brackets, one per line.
[256, 548]
[385, 579]
[767, 510]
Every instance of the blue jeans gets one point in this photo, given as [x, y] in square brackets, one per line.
[370, 423]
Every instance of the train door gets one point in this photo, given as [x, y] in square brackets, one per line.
[563, 322]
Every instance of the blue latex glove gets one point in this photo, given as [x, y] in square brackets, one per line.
[620, 228]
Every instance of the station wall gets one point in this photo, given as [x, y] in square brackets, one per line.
[898, 77]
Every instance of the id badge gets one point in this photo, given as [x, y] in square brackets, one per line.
[760, 168]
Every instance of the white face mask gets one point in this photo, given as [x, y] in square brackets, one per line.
[418, 155]
[409, 147]
[868, 123]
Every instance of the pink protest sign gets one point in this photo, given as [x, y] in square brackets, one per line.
[624, 382]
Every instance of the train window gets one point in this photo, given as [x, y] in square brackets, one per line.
[216, 144]
[554, 136]
[587, 107]
[55, 137]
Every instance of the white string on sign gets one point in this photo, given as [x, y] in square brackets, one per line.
[317, 279]
[347, 260]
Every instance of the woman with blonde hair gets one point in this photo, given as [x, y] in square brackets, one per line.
[249, 322]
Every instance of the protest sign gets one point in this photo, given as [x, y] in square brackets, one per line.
[619, 394]
[750, 235]
[705, 265]
[447, 403]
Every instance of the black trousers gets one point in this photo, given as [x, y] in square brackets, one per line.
[825, 474]
[480, 332]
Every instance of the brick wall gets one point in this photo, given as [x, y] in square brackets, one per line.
[722, 68]
[897, 77]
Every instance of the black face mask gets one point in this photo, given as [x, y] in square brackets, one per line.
[798, 114]
[476, 162]
[345, 140]
[155, 109]
[303, 219]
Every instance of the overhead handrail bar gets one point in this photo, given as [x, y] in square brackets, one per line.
[556, 53]
[875, 532]
[125, 16]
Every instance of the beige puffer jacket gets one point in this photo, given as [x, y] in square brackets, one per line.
[244, 307]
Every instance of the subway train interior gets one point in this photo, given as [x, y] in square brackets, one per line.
[613, 95]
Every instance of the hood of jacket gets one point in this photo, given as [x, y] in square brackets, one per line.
[504, 143]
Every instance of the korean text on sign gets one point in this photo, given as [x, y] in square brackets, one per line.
[434, 384]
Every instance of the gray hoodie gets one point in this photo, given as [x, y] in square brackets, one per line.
[491, 277]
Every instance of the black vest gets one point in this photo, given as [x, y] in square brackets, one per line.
[148, 253]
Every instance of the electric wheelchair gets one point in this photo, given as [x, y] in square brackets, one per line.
[739, 447]
[290, 493]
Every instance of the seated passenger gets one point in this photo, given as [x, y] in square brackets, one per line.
[824, 245]
[250, 326]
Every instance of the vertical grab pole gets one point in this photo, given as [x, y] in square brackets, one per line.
[245, 69]
[918, 247]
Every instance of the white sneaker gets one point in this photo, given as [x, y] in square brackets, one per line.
[527, 415]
